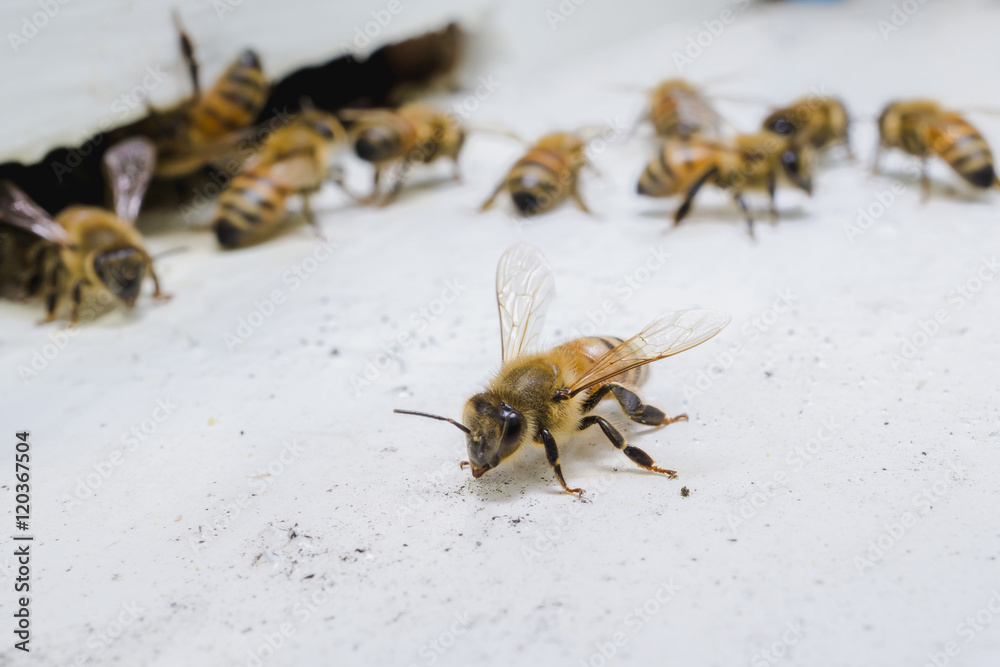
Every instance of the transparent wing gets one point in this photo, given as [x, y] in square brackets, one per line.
[236, 146]
[18, 210]
[524, 290]
[128, 168]
[693, 110]
[665, 336]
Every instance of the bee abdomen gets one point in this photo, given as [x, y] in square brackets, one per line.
[234, 101]
[592, 348]
[250, 206]
[534, 182]
[968, 153]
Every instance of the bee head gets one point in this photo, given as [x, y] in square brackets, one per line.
[122, 271]
[377, 143]
[496, 430]
[890, 123]
[797, 161]
[249, 58]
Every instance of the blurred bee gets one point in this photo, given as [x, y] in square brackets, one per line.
[396, 140]
[823, 120]
[294, 160]
[677, 109]
[546, 396]
[89, 248]
[751, 162]
[546, 175]
[215, 117]
[922, 128]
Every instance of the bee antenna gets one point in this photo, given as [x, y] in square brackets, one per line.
[171, 251]
[444, 419]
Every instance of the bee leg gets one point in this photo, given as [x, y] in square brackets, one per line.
[738, 198]
[496, 193]
[310, 217]
[187, 48]
[689, 197]
[158, 293]
[52, 296]
[393, 192]
[336, 176]
[638, 411]
[77, 297]
[51, 301]
[636, 455]
[925, 183]
[456, 174]
[575, 194]
[771, 183]
[552, 454]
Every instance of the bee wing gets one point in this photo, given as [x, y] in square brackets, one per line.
[365, 114]
[693, 109]
[18, 210]
[665, 336]
[238, 145]
[524, 290]
[128, 169]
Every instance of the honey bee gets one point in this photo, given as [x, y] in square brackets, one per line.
[751, 162]
[546, 175]
[89, 248]
[545, 397]
[395, 140]
[922, 128]
[823, 120]
[206, 127]
[294, 160]
[677, 109]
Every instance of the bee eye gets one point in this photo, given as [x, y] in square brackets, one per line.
[512, 427]
[791, 162]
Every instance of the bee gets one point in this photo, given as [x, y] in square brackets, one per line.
[544, 397]
[677, 109]
[823, 120]
[750, 162]
[90, 248]
[205, 127]
[395, 140]
[546, 175]
[294, 160]
[922, 128]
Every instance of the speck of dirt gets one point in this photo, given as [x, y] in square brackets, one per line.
[685, 491]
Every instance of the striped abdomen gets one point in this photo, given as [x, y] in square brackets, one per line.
[960, 145]
[677, 166]
[234, 102]
[249, 208]
[540, 180]
[588, 350]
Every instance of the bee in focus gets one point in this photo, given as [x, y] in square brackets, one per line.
[750, 162]
[87, 248]
[394, 141]
[823, 120]
[294, 160]
[677, 109]
[922, 128]
[205, 127]
[546, 175]
[545, 397]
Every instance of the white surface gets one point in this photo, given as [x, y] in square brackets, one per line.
[187, 530]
